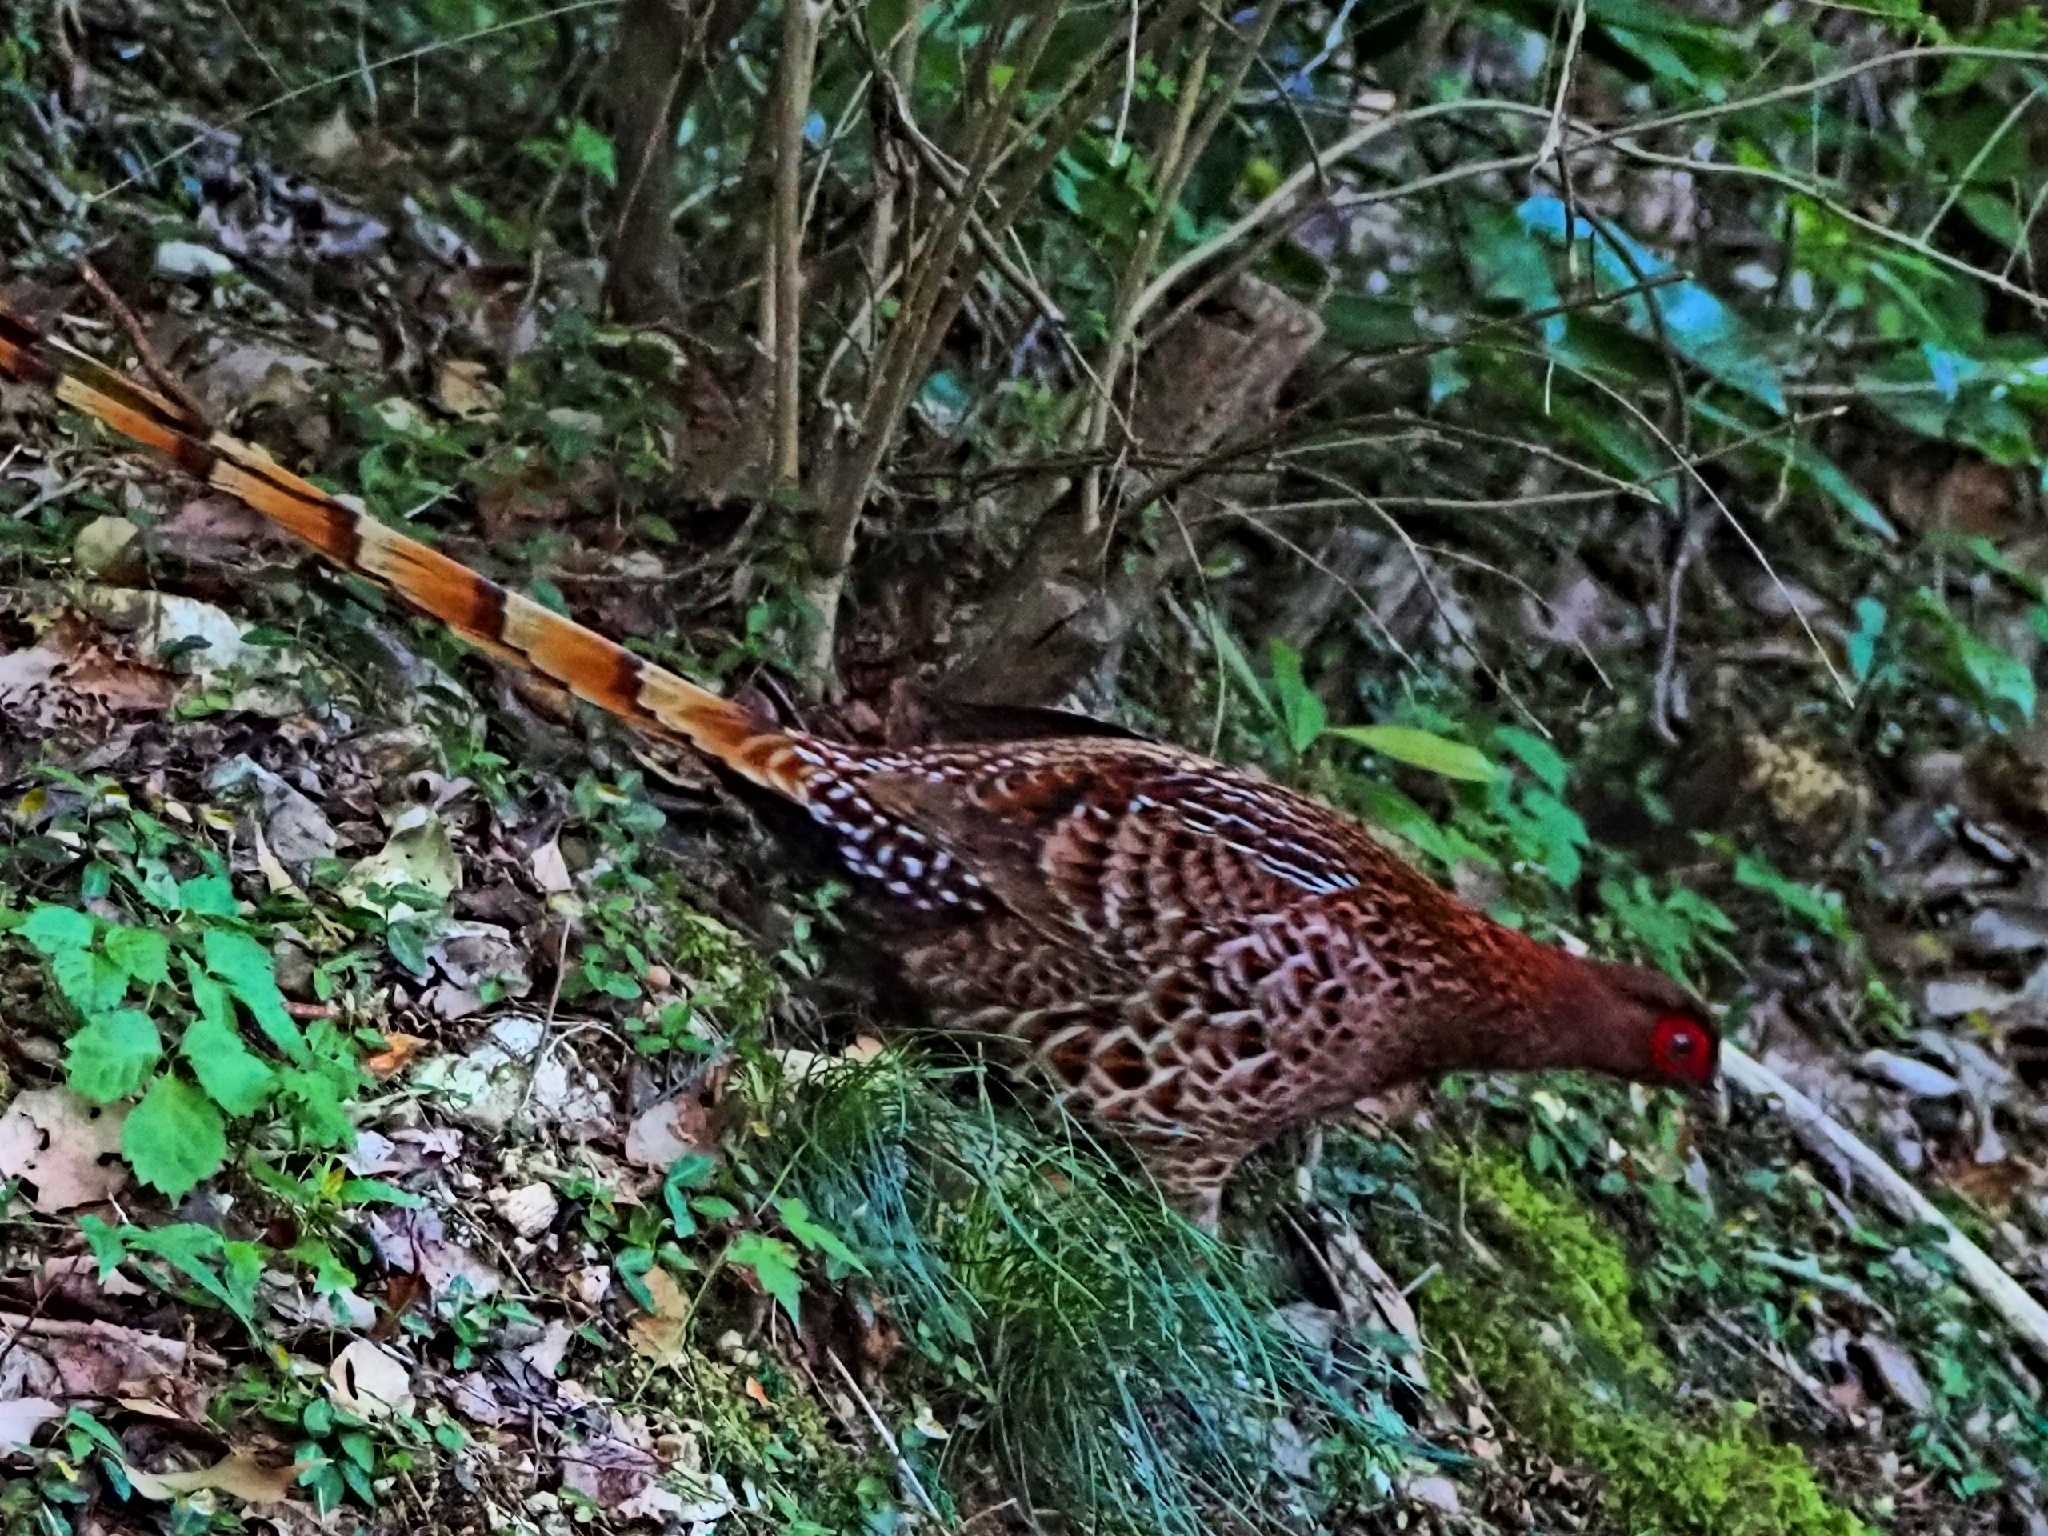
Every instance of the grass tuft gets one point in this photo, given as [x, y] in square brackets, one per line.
[1129, 1369]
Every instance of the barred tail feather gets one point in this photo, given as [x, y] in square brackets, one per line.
[498, 621]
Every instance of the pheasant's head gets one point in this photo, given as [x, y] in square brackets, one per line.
[1641, 1025]
[1589, 1016]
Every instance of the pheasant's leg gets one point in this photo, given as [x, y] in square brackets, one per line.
[1192, 1176]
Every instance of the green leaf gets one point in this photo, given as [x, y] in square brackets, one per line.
[1239, 665]
[685, 1174]
[232, 1074]
[228, 1272]
[89, 981]
[774, 1265]
[207, 896]
[1817, 905]
[52, 930]
[108, 1059]
[317, 1109]
[208, 995]
[175, 1137]
[1703, 330]
[143, 953]
[592, 149]
[804, 1227]
[1556, 832]
[1422, 749]
[245, 966]
[1301, 708]
[1861, 646]
[1537, 755]
[1807, 461]
[1998, 674]
[108, 1245]
[377, 1192]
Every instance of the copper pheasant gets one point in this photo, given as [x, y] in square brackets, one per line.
[1194, 958]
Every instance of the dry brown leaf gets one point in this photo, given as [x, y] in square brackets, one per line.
[65, 1151]
[399, 1050]
[658, 1335]
[238, 1474]
[463, 389]
[663, 1132]
[370, 1381]
[550, 870]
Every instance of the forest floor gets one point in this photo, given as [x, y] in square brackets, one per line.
[471, 1131]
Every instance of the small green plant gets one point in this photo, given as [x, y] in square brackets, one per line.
[713, 983]
[53, 1499]
[178, 1014]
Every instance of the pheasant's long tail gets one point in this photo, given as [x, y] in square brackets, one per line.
[498, 621]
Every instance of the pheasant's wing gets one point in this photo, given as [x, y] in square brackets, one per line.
[1120, 848]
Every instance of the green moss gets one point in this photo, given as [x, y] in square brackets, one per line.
[1569, 1256]
[1556, 1342]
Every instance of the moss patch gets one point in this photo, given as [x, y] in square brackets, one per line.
[1556, 1342]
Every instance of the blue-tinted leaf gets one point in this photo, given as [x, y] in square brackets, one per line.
[1705, 332]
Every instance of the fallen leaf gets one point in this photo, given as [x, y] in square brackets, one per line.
[21, 1417]
[1915, 1077]
[369, 1381]
[550, 869]
[545, 1353]
[417, 1242]
[1897, 1370]
[398, 1053]
[104, 547]
[658, 1335]
[462, 389]
[420, 853]
[237, 1474]
[663, 1132]
[333, 141]
[518, 1073]
[65, 1151]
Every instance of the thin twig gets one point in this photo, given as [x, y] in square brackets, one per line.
[801, 22]
[159, 375]
[903, 1466]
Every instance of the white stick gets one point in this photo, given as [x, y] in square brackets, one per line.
[2005, 1295]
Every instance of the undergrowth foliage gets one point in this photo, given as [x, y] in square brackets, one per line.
[158, 996]
[1653, 517]
[1128, 1368]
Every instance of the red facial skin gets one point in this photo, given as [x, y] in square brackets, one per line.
[1684, 1050]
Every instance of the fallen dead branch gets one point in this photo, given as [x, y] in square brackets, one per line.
[1815, 1126]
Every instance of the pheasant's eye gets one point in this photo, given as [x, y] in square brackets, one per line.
[1680, 1048]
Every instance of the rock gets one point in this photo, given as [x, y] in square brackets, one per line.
[182, 258]
[1916, 1077]
[529, 1210]
[510, 1077]
[105, 548]
[2006, 930]
[1438, 1493]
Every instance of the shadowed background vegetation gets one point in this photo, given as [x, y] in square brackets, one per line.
[1601, 443]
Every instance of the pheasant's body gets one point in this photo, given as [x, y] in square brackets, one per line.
[1195, 958]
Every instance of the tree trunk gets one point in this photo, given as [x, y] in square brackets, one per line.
[1067, 609]
[663, 54]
